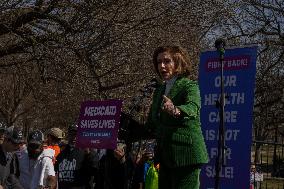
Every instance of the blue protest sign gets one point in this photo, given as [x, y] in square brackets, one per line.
[239, 80]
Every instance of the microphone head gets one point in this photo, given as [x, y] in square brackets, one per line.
[153, 83]
[220, 43]
[154, 80]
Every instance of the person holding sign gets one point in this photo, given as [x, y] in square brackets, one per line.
[174, 117]
[112, 173]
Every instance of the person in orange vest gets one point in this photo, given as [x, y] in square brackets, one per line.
[54, 136]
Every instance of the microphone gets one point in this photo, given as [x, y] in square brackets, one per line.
[148, 88]
[220, 46]
[153, 83]
[220, 43]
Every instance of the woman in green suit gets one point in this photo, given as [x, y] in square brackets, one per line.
[174, 117]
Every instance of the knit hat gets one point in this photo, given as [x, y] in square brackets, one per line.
[36, 137]
[15, 134]
[56, 132]
[73, 127]
[2, 127]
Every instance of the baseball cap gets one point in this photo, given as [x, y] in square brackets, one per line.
[15, 134]
[73, 127]
[36, 137]
[56, 132]
[3, 127]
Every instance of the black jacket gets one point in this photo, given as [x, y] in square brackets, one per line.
[112, 174]
[9, 173]
[75, 168]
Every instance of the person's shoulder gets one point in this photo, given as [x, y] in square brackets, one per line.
[79, 150]
[92, 155]
[47, 154]
[54, 147]
[22, 155]
[15, 156]
[186, 81]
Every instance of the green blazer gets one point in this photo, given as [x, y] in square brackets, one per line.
[179, 140]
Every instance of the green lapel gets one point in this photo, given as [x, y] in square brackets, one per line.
[177, 87]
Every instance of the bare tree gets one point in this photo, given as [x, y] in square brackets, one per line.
[66, 51]
[261, 23]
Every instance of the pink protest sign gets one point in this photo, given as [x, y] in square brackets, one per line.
[98, 124]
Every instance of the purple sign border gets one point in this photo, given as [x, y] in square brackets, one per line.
[98, 124]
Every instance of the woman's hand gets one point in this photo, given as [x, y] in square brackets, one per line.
[169, 107]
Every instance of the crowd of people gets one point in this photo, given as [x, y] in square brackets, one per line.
[42, 162]
[173, 120]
